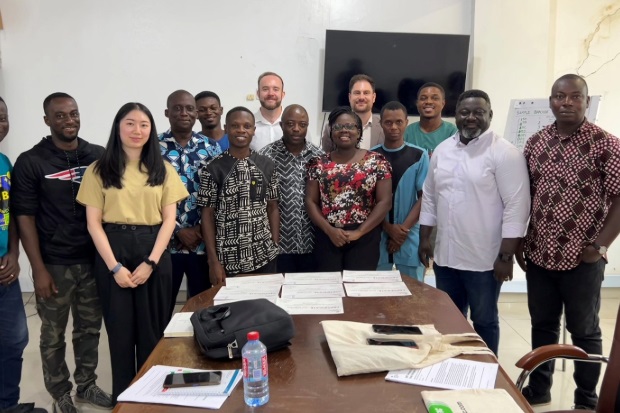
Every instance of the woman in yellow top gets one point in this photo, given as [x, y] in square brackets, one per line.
[130, 196]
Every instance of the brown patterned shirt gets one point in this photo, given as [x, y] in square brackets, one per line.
[573, 180]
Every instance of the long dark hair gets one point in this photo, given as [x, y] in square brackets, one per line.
[111, 166]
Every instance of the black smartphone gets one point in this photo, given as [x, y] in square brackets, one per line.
[395, 329]
[203, 378]
[387, 342]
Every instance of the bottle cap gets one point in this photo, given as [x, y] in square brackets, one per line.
[253, 335]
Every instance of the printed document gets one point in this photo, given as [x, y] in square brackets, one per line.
[313, 278]
[312, 291]
[371, 276]
[395, 289]
[311, 305]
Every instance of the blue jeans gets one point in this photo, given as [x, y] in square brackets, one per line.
[477, 290]
[13, 340]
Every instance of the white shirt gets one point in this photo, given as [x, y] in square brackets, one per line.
[366, 132]
[266, 132]
[475, 194]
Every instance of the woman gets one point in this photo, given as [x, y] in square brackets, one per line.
[348, 195]
[130, 196]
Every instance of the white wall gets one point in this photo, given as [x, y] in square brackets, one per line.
[107, 53]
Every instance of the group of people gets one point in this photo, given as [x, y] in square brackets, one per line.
[111, 232]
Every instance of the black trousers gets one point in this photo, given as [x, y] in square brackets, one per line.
[578, 291]
[135, 318]
[296, 263]
[196, 268]
[361, 255]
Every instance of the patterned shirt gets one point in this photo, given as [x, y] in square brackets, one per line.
[238, 190]
[348, 191]
[188, 161]
[296, 229]
[573, 180]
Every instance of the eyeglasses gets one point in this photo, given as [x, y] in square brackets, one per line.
[336, 127]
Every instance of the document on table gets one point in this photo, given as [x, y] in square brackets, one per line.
[255, 279]
[271, 298]
[371, 276]
[180, 326]
[312, 291]
[295, 306]
[313, 278]
[247, 292]
[395, 289]
[149, 389]
[453, 374]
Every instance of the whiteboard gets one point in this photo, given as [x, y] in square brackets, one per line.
[528, 116]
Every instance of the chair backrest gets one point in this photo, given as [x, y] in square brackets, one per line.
[609, 398]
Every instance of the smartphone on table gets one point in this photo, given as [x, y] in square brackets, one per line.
[202, 378]
[395, 329]
[388, 342]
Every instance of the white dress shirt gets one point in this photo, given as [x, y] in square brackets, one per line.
[266, 132]
[366, 135]
[475, 194]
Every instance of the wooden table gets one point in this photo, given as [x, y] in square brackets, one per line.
[303, 377]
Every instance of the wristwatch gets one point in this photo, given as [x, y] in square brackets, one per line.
[505, 257]
[602, 250]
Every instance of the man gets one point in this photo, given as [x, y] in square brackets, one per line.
[477, 194]
[361, 98]
[210, 117]
[431, 130]
[13, 327]
[61, 253]
[188, 152]
[239, 199]
[574, 169]
[270, 94]
[400, 235]
[291, 155]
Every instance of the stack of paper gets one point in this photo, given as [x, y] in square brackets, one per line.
[247, 292]
[312, 293]
[180, 326]
[273, 279]
[149, 389]
[374, 284]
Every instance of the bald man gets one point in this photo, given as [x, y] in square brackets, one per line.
[188, 152]
[291, 153]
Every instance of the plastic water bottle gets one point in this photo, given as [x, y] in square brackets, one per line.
[255, 372]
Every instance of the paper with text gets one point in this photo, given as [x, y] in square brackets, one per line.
[255, 279]
[312, 291]
[313, 278]
[295, 306]
[149, 389]
[180, 326]
[453, 374]
[371, 276]
[395, 289]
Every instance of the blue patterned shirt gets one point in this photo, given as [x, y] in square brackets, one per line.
[188, 161]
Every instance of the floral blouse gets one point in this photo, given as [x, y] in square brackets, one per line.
[348, 191]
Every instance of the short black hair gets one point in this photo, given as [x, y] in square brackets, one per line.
[2, 100]
[208, 94]
[571, 76]
[432, 84]
[239, 109]
[176, 93]
[270, 74]
[359, 78]
[394, 105]
[55, 95]
[473, 93]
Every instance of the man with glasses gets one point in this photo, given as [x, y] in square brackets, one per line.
[575, 170]
[291, 155]
[361, 99]
[477, 194]
[188, 152]
[209, 108]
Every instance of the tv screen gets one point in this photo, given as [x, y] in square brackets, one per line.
[399, 63]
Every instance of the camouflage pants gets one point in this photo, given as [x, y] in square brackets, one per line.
[77, 292]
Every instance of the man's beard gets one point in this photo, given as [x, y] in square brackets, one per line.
[469, 135]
